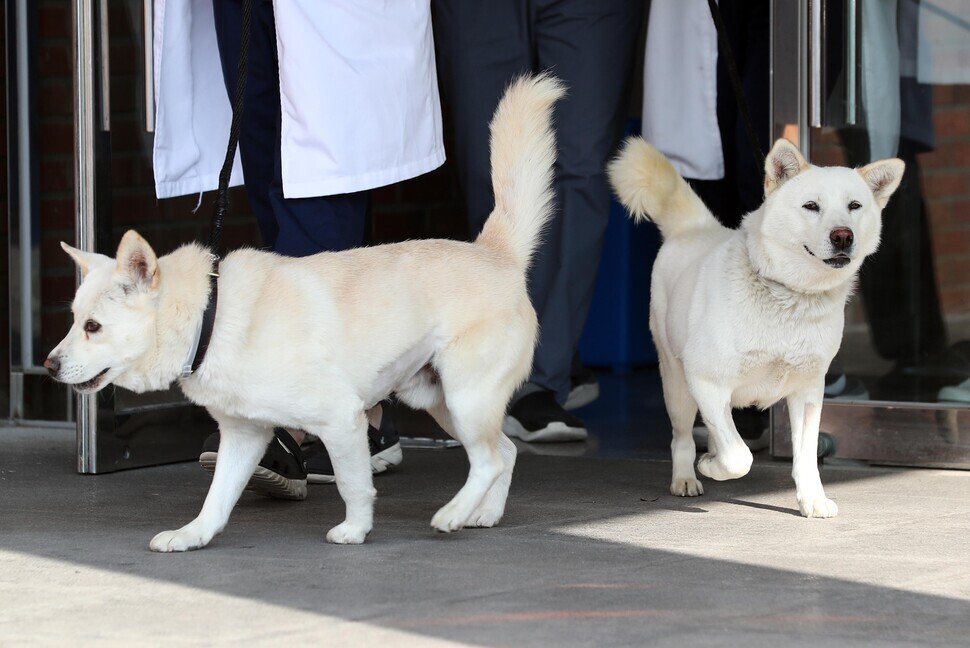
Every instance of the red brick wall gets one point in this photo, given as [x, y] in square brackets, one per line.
[946, 189]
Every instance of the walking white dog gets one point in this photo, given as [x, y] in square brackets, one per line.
[311, 343]
[750, 316]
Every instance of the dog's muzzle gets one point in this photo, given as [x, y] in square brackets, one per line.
[841, 239]
[53, 366]
[91, 385]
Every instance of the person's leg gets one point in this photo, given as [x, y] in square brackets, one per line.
[257, 137]
[481, 45]
[294, 227]
[324, 224]
[754, 30]
[591, 46]
[898, 283]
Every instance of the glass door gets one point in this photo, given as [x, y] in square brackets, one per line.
[113, 112]
[872, 79]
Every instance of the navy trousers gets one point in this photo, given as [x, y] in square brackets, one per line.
[290, 226]
[482, 45]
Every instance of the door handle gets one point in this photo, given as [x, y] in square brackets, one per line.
[851, 62]
[815, 64]
[104, 68]
[148, 10]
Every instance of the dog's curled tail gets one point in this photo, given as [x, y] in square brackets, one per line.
[649, 186]
[523, 153]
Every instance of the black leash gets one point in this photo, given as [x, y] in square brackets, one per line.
[222, 196]
[739, 97]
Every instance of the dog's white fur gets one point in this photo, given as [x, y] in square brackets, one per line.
[311, 343]
[750, 316]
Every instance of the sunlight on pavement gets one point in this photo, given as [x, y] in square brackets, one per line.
[45, 600]
[879, 538]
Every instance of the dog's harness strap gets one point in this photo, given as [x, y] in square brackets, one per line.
[222, 196]
[208, 318]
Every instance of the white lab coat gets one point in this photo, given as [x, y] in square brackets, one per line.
[359, 94]
[680, 87]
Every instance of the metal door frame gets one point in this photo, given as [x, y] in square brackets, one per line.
[885, 432]
[23, 219]
[116, 429]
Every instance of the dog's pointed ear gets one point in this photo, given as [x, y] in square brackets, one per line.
[783, 163]
[883, 178]
[86, 261]
[137, 260]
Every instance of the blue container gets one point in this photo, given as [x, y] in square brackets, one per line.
[617, 333]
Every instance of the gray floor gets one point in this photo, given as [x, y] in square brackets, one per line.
[593, 551]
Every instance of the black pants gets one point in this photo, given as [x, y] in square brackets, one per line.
[591, 45]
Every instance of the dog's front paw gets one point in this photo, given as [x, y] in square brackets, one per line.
[346, 533]
[817, 507]
[447, 519]
[484, 518]
[184, 539]
[686, 487]
[725, 465]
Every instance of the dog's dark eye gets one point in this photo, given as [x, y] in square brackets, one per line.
[811, 205]
[91, 326]
[854, 205]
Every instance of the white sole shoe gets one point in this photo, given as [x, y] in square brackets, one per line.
[582, 395]
[555, 432]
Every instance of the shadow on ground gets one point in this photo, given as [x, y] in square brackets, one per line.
[592, 551]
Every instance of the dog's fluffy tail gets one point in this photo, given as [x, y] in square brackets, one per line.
[651, 189]
[523, 152]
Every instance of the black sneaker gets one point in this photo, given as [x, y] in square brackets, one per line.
[538, 418]
[385, 452]
[281, 472]
[584, 388]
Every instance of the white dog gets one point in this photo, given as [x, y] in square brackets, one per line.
[750, 316]
[311, 343]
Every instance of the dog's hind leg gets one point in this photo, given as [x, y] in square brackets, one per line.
[490, 511]
[492, 507]
[727, 456]
[682, 411]
[805, 410]
[241, 445]
[472, 417]
[424, 391]
[345, 438]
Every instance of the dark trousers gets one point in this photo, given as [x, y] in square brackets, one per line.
[482, 45]
[898, 282]
[747, 25]
[290, 226]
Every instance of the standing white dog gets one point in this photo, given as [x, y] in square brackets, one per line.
[311, 343]
[750, 316]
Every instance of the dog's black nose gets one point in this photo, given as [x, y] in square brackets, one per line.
[841, 238]
[53, 365]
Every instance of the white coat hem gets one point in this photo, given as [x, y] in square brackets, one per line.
[363, 181]
[191, 185]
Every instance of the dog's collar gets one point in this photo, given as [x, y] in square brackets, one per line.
[203, 333]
